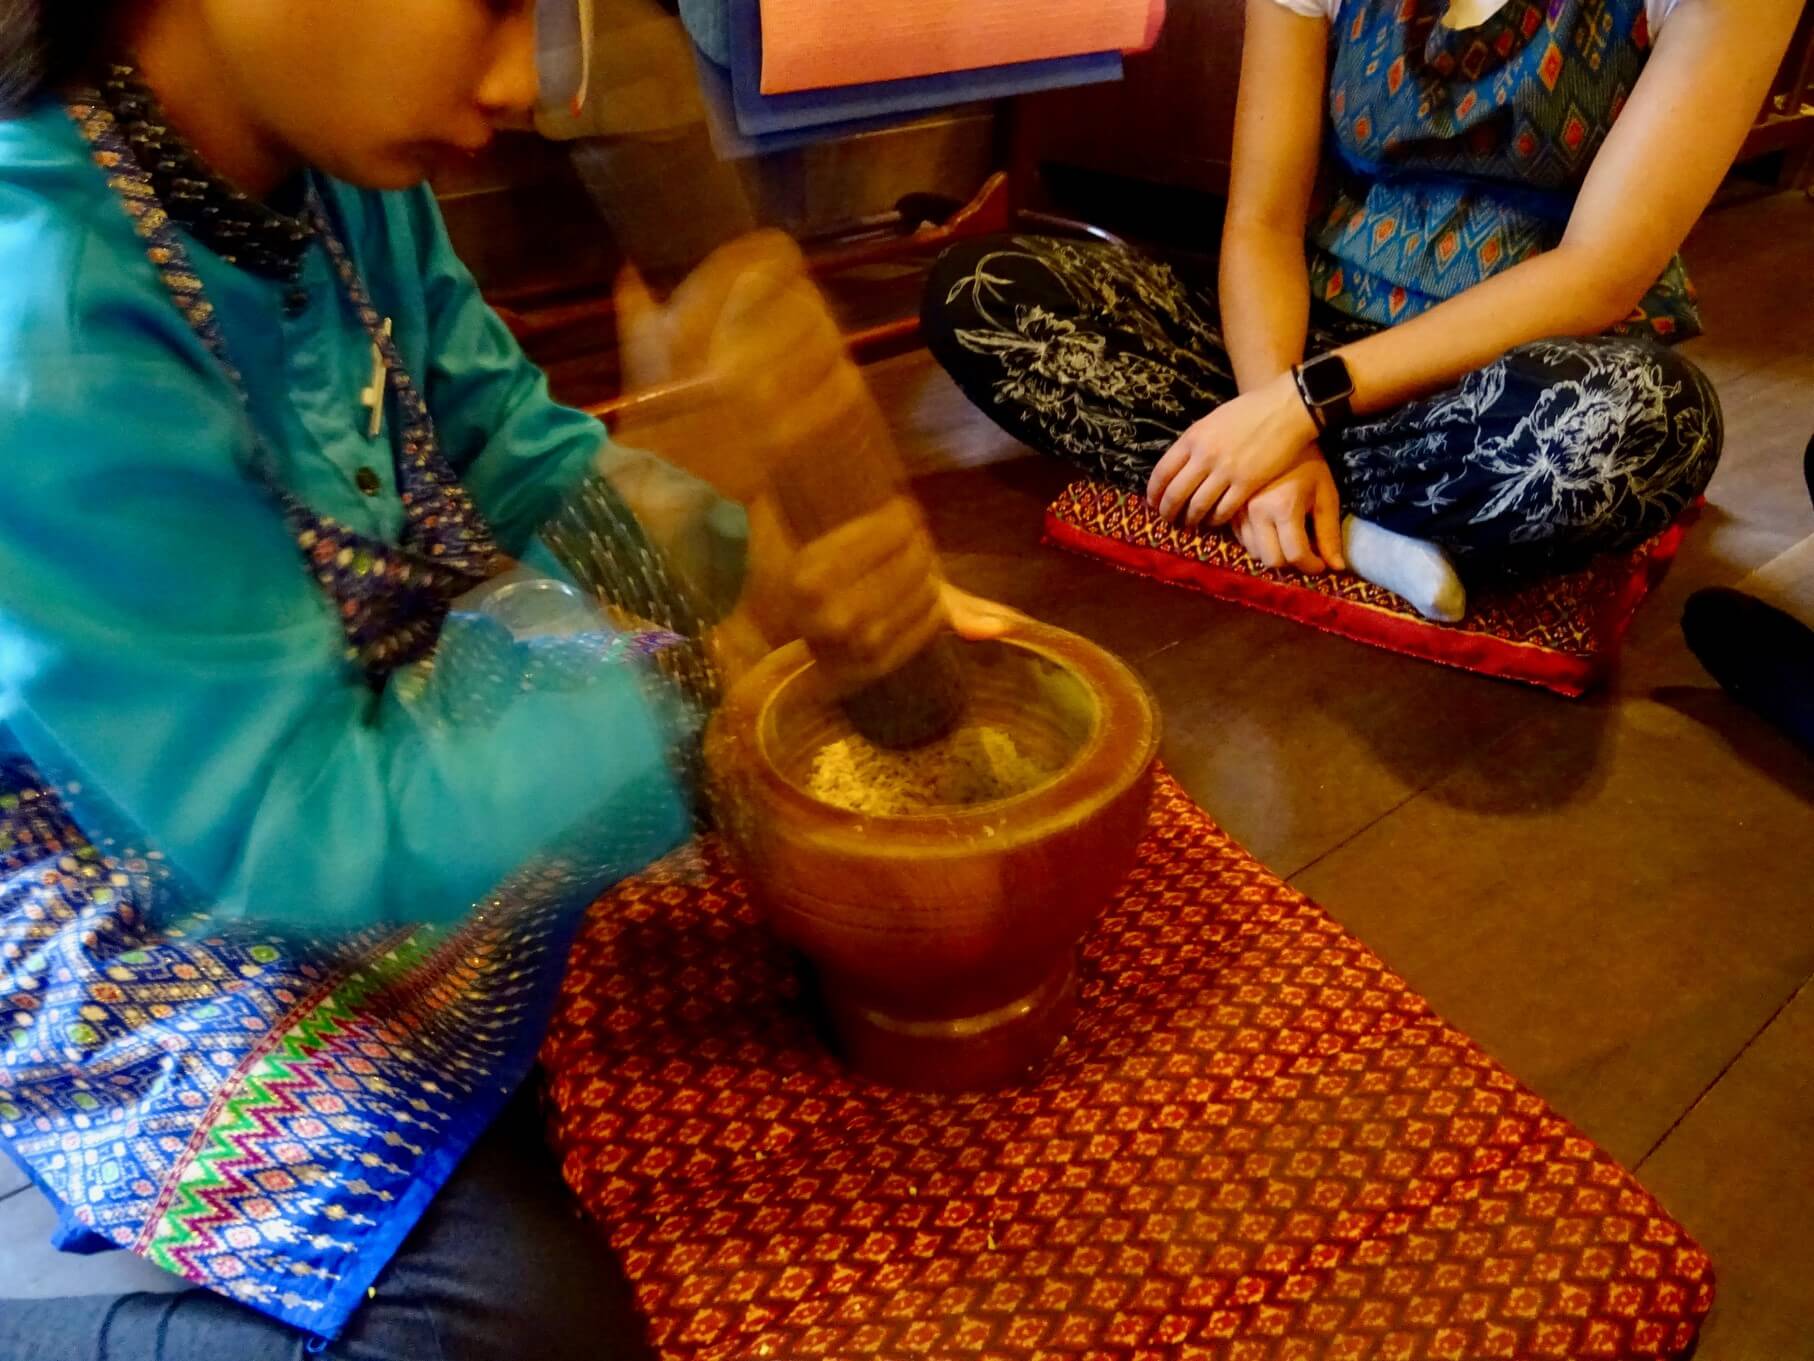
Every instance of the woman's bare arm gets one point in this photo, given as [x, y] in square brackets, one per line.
[1656, 174]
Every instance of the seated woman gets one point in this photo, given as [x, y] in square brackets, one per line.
[311, 750]
[1471, 359]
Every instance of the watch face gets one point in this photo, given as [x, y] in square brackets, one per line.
[1326, 380]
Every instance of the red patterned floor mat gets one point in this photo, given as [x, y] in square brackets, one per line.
[1257, 1143]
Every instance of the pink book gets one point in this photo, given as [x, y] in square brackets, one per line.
[817, 44]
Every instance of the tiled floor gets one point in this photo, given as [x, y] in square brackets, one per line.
[1615, 896]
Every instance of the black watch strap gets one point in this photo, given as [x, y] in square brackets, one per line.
[1327, 390]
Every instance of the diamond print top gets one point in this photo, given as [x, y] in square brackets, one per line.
[1457, 153]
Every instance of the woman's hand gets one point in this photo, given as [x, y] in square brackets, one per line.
[1239, 448]
[1271, 524]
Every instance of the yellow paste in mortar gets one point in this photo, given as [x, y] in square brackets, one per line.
[976, 764]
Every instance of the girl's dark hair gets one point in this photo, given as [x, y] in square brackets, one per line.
[44, 42]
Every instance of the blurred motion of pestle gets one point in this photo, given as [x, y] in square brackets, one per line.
[637, 136]
[848, 470]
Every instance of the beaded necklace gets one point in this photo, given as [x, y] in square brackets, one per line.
[391, 598]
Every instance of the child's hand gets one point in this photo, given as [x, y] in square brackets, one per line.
[866, 597]
[669, 342]
[977, 620]
[752, 357]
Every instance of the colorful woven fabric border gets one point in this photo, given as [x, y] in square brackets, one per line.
[262, 1116]
[1562, 634]
[1257, 1143]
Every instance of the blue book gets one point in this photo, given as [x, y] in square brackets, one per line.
[708, 25]
[733, 144]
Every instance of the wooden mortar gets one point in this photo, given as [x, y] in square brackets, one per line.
[944, 942]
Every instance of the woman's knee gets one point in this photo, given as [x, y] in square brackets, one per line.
[943, 305]
[1619, 409]
[1696, 418]
[1567, 448]
[1693, 434]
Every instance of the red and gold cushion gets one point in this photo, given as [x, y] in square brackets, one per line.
[1257, 1142]
[1562, 634]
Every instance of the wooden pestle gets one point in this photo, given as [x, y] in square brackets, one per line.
[670, 201]
[853, 470]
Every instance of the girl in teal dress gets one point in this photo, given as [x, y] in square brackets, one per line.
[314, 734]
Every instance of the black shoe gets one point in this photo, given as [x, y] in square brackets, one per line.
[1761, 656]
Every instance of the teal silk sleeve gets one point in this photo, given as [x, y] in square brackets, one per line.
[169, 657]
[518, 450]
[523, 454]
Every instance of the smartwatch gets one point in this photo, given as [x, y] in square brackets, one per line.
[1327, 390]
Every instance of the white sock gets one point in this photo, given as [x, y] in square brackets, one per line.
[1413, 568]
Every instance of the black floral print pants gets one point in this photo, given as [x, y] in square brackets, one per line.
[1103, 356]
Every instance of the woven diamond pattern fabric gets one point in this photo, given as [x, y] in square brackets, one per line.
[1258, 1144]
[1562, 633]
